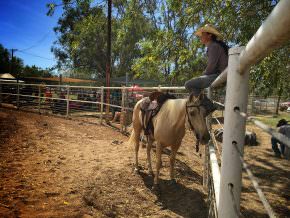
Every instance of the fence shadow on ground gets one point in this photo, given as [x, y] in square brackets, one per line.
[270, 172]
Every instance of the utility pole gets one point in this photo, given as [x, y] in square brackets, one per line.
[108, 64]
[11, 63]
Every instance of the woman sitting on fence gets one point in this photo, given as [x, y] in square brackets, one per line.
[283, 128]
[217, 52]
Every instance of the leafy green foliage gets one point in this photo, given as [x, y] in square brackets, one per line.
[5, 62]
[155, 39]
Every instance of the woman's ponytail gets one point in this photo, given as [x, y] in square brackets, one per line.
[221, 43]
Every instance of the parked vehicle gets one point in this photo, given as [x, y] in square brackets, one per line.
[287, 103]
[264, 102]
[285, 106]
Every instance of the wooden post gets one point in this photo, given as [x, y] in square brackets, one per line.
[234, 133]
[102, 103]
[108, 61]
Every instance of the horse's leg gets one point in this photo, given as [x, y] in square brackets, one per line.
[172, 163]
[137, 145]
[158, 165]
[149, 146]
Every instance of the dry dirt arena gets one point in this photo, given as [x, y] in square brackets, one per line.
[54, 167]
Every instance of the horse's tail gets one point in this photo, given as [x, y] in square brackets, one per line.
[130, 128]
[136, 124]
[132, 138]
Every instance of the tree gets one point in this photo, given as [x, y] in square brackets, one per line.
[82, 37]
[6, 62]
[131, 26]
[155, 39]
[18, 67]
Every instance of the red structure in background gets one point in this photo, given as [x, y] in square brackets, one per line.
[134, 92]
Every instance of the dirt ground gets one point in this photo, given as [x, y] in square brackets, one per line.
[54, 167]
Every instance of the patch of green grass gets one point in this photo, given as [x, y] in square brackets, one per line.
[272, 120]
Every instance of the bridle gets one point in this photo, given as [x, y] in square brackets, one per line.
[190, 124]
[187, 113]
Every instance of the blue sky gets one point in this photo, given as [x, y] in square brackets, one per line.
[23, 23]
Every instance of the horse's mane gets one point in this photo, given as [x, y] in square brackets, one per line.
[161, 97]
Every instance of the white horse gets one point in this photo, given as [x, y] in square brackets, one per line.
[169, 130]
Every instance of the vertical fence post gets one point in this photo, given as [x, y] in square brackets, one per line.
[159, 88]
[123, 112]
[17, 97]
[206, 152]
[234, 133]
[252, 105]
[102, 104]
[1, 93]
[128, 113]
[205, 168]
[209, 117]
[39, 99]
[67, 101]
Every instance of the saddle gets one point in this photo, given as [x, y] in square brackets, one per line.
[150, 106]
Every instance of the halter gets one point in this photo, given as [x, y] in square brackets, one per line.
[191, 126]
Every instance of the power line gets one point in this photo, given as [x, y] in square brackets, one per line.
[34, 55]
[37, 43]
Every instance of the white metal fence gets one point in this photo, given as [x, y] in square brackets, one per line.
[86, 102]
[273, 33]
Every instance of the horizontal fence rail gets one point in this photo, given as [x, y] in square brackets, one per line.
[84, 102]
[273, 33]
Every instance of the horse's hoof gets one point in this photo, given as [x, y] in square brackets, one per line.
[136, 170]
[172, 182]
[156, 189]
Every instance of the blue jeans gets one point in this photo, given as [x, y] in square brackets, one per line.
[275, 148]
[197, 84]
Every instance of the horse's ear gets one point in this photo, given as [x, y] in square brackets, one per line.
[192, 97]
[201, 96]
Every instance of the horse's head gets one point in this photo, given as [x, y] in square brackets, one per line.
[196, 114]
